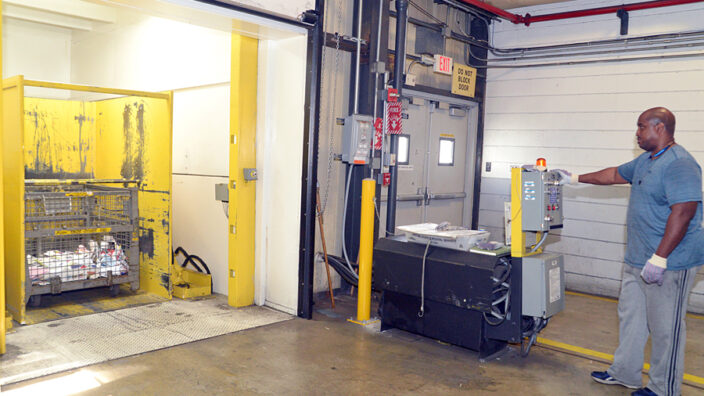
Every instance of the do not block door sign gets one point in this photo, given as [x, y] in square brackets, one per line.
[394, 119]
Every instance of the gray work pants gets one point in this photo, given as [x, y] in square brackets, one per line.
[658, 311]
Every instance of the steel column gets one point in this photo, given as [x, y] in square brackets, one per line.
[370, 16]
[310, 162]
[400, 49]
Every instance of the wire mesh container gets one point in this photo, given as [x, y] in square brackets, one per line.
[80, 236]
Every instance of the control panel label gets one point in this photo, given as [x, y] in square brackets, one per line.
[555, 283]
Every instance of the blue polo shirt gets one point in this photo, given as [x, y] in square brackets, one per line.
[656, 184]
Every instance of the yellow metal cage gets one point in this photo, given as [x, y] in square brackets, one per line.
[87, 134]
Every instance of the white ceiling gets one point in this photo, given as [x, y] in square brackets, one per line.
[70, 14]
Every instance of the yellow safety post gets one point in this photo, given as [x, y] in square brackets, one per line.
[366, 248]
[2, 234]
[518, 237]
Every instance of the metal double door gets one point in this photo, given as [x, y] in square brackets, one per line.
[436, 182]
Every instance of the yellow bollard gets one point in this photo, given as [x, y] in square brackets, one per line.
[366, 247]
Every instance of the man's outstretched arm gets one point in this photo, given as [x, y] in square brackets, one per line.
[603, 177]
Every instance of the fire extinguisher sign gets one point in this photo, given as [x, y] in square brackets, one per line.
[395, 110]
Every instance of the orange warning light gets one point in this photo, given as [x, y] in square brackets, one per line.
[541, 164]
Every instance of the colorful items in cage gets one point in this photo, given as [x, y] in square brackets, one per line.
[83, 263]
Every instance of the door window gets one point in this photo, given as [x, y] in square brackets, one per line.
[446, 152]
[404, 147]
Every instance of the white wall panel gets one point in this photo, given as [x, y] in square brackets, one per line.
[582, 118]
[281, 91]
[637, 81]
[200, 224]
[590, 103]
[592, 285]
[201, 130]
[612, 251]
[150, 54]
[37, 51]
[600, 268]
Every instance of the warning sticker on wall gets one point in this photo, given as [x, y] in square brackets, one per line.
[464, 80]
[555, 283]
[378, 133]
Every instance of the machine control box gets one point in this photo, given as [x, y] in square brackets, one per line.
[541, 198]
[543, 285]
[357, 139]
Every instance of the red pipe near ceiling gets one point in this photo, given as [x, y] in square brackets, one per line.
[494, 10]
[528, 19]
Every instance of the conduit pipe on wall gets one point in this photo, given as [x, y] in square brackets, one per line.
[665, 41]
[629, 44]
[527, 19]
[399, 65]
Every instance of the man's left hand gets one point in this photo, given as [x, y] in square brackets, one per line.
[654, 270]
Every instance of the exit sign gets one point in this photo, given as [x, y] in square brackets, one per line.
[443, 64]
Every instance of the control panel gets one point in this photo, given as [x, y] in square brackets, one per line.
[541, 198]
[357, 139]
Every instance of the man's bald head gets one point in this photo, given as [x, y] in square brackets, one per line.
[661, 114]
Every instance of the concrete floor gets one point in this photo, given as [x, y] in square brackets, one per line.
[328, 355]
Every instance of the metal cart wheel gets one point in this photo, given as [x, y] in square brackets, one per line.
[35, 301]
[114, 290]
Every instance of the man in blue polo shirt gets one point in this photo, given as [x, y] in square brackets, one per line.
[664, 251]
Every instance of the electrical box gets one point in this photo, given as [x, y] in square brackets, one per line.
[222, 193]
[541, 199]
[543, 285]
[357, 139]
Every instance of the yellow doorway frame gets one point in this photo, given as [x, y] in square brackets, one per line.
[242, 192]
[2, 226]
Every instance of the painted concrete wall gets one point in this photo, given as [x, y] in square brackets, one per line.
[582, 118]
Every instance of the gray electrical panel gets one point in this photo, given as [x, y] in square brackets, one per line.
[543, 285]
[541, 198]
[222, 193]
[357, 139]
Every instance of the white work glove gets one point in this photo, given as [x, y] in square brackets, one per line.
[567, 177]
[654, 270]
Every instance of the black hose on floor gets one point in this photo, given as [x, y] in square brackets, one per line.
[339, 265]
[190, 258]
